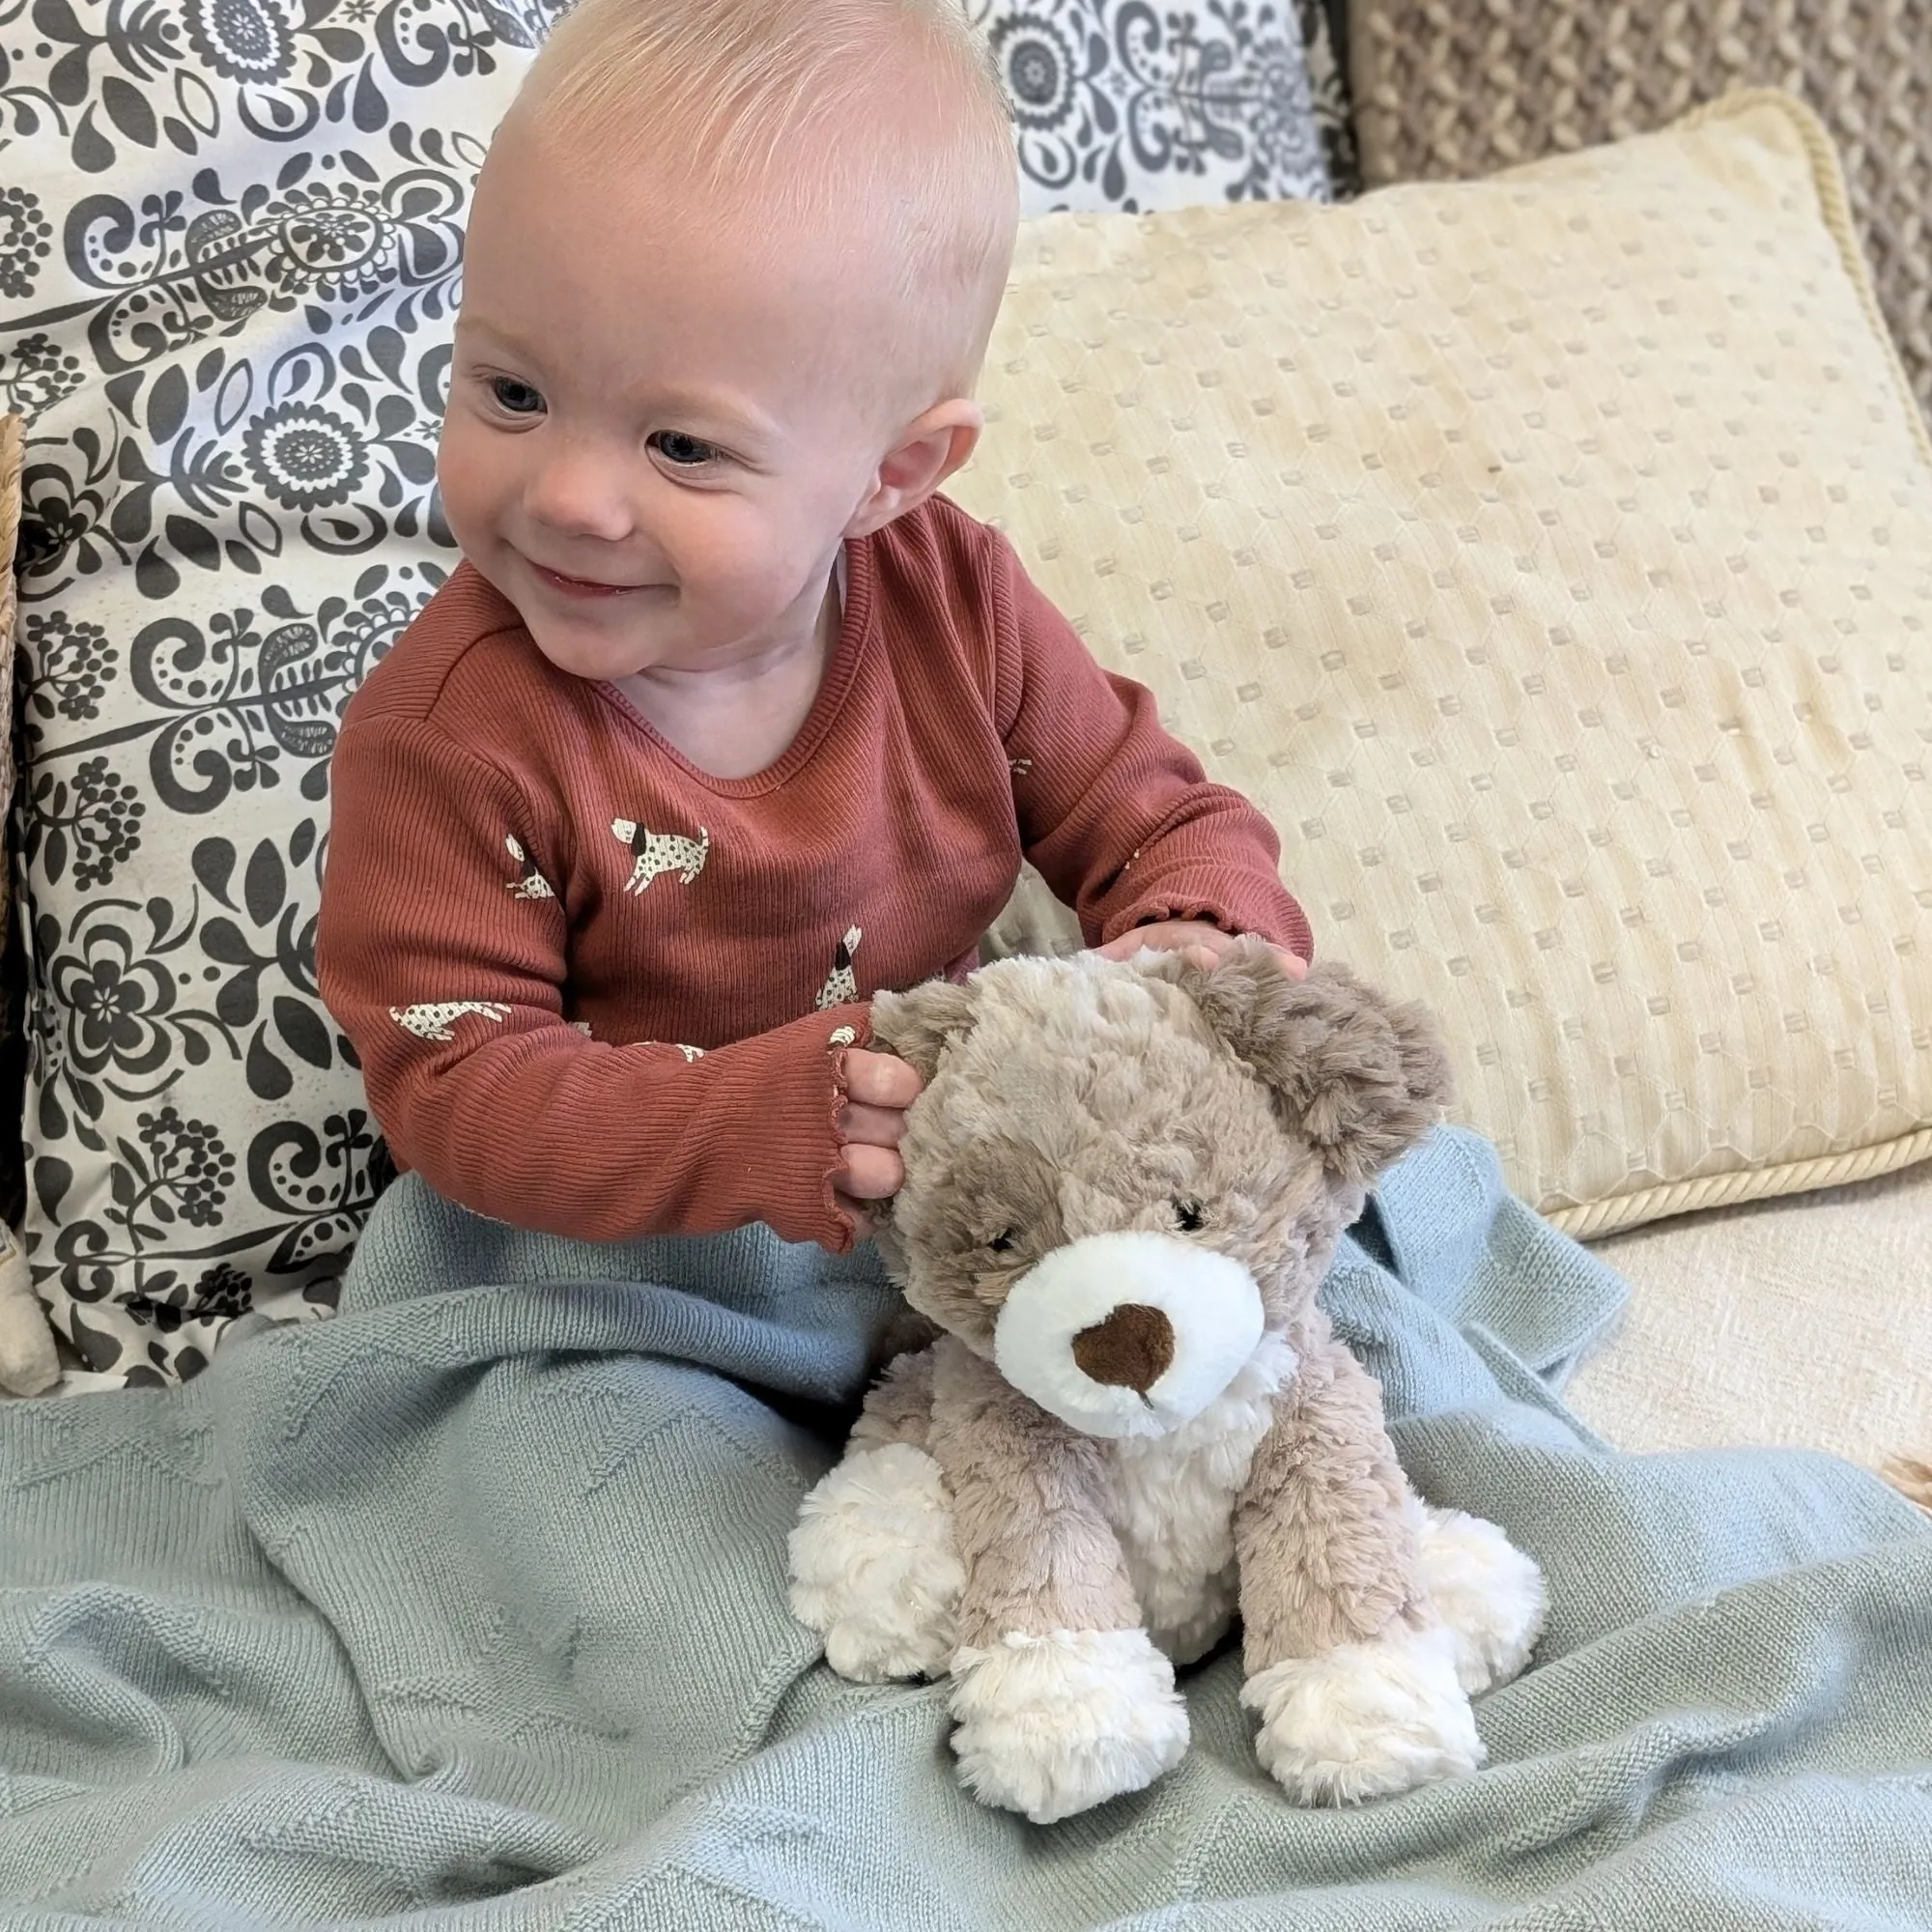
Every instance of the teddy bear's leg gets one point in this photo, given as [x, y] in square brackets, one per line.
[1487, 1592]
[873, 1567]
[1062, 1699]
[1352, 1675]
[28, 1363]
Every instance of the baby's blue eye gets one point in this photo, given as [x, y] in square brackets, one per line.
[515, 398]
[685, 452]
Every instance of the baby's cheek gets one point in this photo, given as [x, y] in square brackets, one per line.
[465, 478]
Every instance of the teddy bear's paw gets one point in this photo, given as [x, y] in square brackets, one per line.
[874, 1568]
[1051, 1725]
[1365, 1719]
[1487, 1592]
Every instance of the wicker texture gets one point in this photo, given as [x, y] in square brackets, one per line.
[1448, 88]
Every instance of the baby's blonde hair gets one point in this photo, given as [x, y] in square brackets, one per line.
[719, 95]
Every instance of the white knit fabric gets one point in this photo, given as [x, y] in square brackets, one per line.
[1804, 1322]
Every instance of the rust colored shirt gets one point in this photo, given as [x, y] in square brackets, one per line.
[598, 991]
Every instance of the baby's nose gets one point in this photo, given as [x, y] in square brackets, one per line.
[582, 494]
[1132, 1348]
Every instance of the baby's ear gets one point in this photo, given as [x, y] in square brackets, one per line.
[1360, 1076]
[918, 1025]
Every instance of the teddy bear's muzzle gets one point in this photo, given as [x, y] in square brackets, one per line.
[1128, 1334]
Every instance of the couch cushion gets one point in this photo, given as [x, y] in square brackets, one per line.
[1805, 1322]
[1551, 558]
[230, 335]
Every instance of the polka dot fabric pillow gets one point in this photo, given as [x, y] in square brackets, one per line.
[1552, 559]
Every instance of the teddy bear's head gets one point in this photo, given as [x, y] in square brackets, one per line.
[1122, 1174]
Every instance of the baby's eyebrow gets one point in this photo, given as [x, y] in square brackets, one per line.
[470, 324]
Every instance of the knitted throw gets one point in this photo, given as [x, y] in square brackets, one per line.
[467, 1610]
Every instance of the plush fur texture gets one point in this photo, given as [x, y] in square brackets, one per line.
[1399, 1689]
[1054, 1725]
[1128, 1334]
[876, 1538]
[1149, 1163]
[1487, 1593]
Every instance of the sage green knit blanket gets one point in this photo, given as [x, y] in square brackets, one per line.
[468, 1610]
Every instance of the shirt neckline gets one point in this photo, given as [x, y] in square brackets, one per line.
[841, 667]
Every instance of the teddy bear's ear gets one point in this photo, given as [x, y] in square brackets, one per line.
[1360, 1076]
[917, 1025]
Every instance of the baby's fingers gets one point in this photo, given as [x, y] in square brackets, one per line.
[880, 1079]
[869, 1173]
[871, 1126]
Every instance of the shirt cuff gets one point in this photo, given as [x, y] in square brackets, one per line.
[1238, 902]
[803, 1181]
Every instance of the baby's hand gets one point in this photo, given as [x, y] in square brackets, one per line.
[878, 1090]
[1202, 943]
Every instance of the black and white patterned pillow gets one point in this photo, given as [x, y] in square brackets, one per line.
[1324, 45]
[230, 241]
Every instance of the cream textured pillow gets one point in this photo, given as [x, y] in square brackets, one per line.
[1552, 559]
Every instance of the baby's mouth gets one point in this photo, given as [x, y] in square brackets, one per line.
[581, 586]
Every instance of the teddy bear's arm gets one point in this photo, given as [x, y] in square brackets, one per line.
[1326, 1554]
[873, 1567]
[1354, 1677]
[1061, 1697]
[899, 1405]
[1039, 1552]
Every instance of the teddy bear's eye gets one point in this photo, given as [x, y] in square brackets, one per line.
[1188, 1216]
[1002, 1242]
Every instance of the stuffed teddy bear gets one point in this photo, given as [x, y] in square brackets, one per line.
[28, 1363]
[1124, 1183]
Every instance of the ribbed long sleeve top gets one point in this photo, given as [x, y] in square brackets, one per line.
[598, 990]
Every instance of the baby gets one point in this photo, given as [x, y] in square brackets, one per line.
[727, 718]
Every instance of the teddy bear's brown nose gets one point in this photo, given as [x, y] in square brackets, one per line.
[1132, 1348]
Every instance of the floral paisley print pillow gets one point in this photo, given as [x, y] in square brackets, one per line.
[1121, 104]
[230, 233]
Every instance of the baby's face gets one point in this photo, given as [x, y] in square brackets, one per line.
[653, 448]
